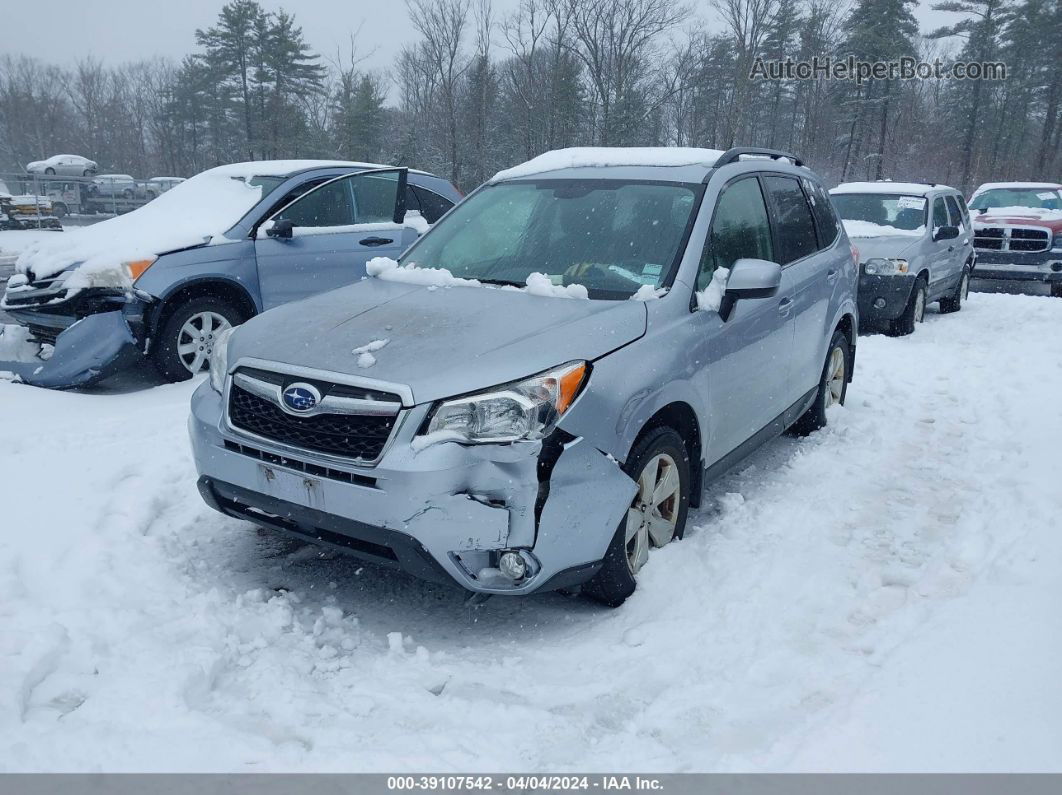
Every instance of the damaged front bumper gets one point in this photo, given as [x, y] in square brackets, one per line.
[75, 343]
[444, 512]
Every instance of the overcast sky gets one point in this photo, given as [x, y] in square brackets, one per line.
[127, 30]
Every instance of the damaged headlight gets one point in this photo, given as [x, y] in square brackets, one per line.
[527, 409]
[219, 360]
[885, 267]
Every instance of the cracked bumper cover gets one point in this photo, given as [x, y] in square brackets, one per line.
[86, 351]
[438, 513]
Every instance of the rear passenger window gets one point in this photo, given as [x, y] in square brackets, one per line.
[940, 214]
[954, 213]
[826, 221]
[793, 220]
[432, 205]
[739, 230]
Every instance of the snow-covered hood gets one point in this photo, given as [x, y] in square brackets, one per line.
[189, 214]
[439, 342]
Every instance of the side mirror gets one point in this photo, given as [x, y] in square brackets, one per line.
[946, 233]
[753, 278]
[281, 229]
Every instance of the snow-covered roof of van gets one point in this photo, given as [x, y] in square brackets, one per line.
[997, 185]
[885, 186]
[606, 156]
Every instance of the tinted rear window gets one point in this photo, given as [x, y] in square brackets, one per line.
[794, 223]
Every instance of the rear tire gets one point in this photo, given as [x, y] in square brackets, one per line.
[913, 313]
[59, 210]
[833, 386]
[49, 170]
[660, 465]
[953, 303]
[187, 336]
[1056, 289]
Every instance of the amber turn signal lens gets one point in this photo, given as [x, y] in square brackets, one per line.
[570, 382]
[137, 267]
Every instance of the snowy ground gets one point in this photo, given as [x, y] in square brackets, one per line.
[881, 596]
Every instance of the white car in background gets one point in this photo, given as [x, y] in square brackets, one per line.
[159, 185]
[63, 165]
[122, 185]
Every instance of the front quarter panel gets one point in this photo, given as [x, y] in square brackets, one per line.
[232, 261]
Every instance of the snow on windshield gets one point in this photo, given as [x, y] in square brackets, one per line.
[188, 214]
[604, 156]
[870, 229]
[433, 278]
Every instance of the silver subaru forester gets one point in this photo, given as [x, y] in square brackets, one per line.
[533, 396]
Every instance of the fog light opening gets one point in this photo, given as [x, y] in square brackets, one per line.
[512, 565]
[879, 303]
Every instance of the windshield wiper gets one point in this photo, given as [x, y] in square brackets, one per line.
[505, 282]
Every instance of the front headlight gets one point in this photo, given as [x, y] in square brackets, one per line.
[885, 267]
[527, 409]
[1057, 245]
[219, 360]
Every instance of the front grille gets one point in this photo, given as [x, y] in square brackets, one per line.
[354, 436]
[300, 466]
[1007, 238]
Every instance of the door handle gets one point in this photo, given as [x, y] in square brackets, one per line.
[831, 275]
[784, 306]
[376, 241]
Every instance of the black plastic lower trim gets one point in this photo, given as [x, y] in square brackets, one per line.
[376, 544]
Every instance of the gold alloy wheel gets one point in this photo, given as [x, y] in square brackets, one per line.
[653, 514]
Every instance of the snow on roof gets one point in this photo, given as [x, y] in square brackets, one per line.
[885, 186]
[187, 214]
[605, 156]
[1019, 185]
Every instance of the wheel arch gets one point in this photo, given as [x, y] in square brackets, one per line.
[680, 416]
[226, 289]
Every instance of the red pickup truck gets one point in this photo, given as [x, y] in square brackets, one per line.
[1018, 232]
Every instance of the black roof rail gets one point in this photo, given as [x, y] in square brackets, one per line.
[735, 154]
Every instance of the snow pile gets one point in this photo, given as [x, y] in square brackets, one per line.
[14, 241]
[605, 156]
[541, 284]
[887, 187]
[1040, 213]
[188, 214]
[880, 595]
[711, 297]
[390, 271]
[365, 352]
[537, 283]
[648, 292]
[17, 346]
[871, 229]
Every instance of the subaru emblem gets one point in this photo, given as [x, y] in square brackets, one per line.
[300, 398]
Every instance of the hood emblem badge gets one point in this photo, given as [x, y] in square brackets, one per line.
[300, 398]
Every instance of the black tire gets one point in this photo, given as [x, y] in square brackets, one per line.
[905, 323]
[59, 210]
[127, 193]
[86, 173]
[49, 170]
[165, 355]
[1056, 289]
[953, 302]
[615, 581]
[815, 417]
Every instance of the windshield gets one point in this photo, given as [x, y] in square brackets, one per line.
[887, 212]
[266, 183]
[610, 236]
[1041, 198]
